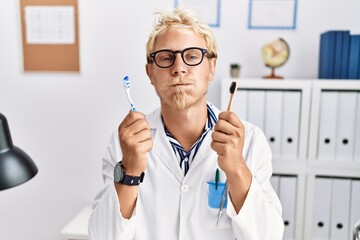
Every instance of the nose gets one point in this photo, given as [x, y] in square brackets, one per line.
[179, 67]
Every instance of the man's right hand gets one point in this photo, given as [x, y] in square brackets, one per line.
[135, 142]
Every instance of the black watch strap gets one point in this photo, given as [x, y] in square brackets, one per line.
[132, 180]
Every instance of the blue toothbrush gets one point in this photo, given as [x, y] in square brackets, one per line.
[127, 86]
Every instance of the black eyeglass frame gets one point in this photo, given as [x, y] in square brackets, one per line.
[203, 51]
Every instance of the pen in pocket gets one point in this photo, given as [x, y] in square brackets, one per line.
[217, 178]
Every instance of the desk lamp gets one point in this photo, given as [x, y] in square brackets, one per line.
[16, 166]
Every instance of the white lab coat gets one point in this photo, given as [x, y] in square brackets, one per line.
[171, 206]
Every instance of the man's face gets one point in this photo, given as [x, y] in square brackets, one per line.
[181, 86]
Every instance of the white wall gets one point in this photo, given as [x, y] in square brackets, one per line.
[63, 121]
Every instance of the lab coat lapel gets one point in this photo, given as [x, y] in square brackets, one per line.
[162, 147]
[203, 154]
[205, 150]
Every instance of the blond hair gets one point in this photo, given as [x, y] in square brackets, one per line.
[180, 17]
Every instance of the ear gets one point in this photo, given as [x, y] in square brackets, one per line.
[212, 63]
[148, 72]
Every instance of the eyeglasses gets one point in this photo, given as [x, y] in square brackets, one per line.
[191, 56]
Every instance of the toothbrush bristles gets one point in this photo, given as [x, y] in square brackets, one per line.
[232, 90]
[233, 87]
[127, 83]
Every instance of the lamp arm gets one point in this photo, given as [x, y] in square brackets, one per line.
[5, 136]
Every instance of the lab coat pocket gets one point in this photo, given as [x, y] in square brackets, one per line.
[216, 194]
[211, 201]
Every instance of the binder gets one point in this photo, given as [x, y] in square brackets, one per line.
[327, 53]
[274, 180]
[340, 209]
[337, 56]
[354, 58]
[355, 204]
[357, 131]
[346, 125]
[287, 195]
[239, 106]
[345, 55]
[273, 121]
[291, 124]
[256, 107]
[327, 125]
[341, 54]
[320, 226]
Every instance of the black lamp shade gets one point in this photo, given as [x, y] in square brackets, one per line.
[16, 166]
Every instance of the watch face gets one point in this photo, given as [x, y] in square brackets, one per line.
[118, 174]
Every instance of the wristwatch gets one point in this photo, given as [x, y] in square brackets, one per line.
[121, 177]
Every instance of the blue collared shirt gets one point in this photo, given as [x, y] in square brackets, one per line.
[186, 158]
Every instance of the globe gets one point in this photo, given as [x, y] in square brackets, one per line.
[275, 54]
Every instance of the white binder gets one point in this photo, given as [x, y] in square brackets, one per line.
[274, 180]
[256, 107]
[357, 131]
[327, 125]
[273, 121]
[291, 124]
[239, 106]
[340, 209]
[320, 226]
[355, 204]
[346, 125]
[287, 195]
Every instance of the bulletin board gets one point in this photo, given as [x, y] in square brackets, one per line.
[50, 35]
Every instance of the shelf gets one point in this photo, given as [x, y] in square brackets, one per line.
[305, 165]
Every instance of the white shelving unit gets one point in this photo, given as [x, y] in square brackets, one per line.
[335, 167]
[305, 165]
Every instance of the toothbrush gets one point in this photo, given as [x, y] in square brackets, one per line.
[127, 86]
[232, 90]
